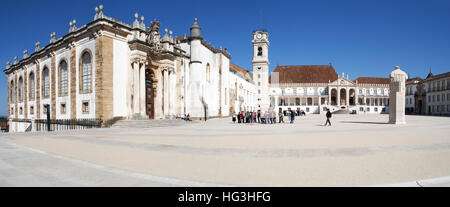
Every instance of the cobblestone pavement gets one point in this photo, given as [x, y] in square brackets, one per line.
[356, 150]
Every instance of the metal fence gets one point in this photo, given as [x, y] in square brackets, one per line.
[66, 124]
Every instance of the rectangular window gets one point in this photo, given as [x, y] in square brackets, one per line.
[361, 109]
[85, 107]
[307, 109]
[376, 109]
[31, 110]
[368, 109]
[20, 110]
[63, 108]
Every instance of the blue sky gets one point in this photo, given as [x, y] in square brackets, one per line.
[361, 38]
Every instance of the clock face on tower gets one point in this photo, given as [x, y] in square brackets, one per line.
[259, 36]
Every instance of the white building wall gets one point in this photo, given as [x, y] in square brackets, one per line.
[121, 68]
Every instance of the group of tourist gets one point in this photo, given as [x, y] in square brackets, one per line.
[267, 117]
[270, 117]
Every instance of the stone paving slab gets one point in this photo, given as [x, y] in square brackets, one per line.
[356, 151]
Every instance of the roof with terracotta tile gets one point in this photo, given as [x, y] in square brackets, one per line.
[372, 80]
[305, 74]
[241, 70]
[182, 37]
[434, 77]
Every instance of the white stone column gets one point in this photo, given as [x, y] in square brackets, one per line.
[338, 96]
[347, 97]
[356, 97]
[135, 87]
[329, 96]
[166, 92]
[142, 98]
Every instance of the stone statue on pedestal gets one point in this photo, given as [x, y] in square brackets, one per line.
[397, 96]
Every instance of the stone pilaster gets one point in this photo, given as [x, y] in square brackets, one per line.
[16, 97]
[9, 96]
[220, 85]
[179, 85]
[104, 52]
[37, 90]
[73, 83]
[53, 87]
[25, 93]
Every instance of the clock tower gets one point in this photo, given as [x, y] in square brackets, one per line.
[260, 64]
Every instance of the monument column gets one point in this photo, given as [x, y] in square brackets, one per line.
[397, 96]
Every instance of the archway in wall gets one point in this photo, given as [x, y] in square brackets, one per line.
[343, 94]
[333, 96]
[149, 94]
[351, 99]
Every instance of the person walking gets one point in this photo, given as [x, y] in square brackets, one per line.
[328, 117]
[292, 117]
[274, 117]
[280, 116]
[234, 118]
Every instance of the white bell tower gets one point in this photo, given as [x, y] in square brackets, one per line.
[261, 68]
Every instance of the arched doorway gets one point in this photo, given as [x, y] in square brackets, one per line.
[343, 94]
[351, 99]
[333, 96]
[149, 94]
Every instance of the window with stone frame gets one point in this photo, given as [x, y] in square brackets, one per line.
[20, 89]
[63, 108]
[85, 107]
[86, 76]
[44, 110]
[46, 85]
[32, 85]
[63, 78]
[11, 92]
[208, 73]
[260, 51]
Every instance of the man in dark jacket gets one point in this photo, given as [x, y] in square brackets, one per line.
[328, 117]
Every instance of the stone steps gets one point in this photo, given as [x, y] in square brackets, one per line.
[149, 123]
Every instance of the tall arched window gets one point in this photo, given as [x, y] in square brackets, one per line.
[11, 92]
[86, 71]
[208, 71]
[63, 78]
[20, 89]
[46, 85]
[31, 85]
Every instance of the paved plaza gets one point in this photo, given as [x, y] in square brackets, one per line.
[357, 150]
